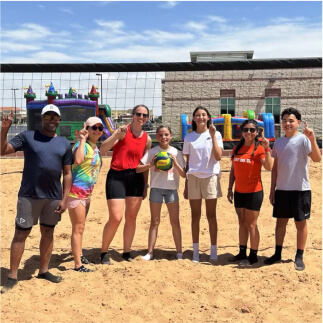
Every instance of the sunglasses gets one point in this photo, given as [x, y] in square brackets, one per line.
[100, 128]
[48, 117]
[145, 115]
[251, 130]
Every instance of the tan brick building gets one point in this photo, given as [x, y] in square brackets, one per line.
[233, 91]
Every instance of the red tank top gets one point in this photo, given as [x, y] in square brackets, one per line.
[128, 152]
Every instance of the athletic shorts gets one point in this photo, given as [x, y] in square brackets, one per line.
[292, 204]
[158, 195]
[29, 210]
[73, 202]
[206, 188]
[124, 183]
[250, 201]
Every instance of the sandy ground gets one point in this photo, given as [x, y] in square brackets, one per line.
[163, 290]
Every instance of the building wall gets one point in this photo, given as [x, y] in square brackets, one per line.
[300, 88]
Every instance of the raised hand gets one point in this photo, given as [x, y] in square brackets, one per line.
[265, 141]
[83, 134]
[212, 130]
[6, 121]
[121, 132]
[308, 132]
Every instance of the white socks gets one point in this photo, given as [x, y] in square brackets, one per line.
[213, 253]
[196, 255]
[148, 256]
[179, 256]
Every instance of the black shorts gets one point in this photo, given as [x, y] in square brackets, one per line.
[292, 204]
[250, 201]
[124, 183]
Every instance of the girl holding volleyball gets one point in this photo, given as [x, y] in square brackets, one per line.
[203, 151]
[164, 184]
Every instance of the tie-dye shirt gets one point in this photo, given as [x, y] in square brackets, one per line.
[85, 175]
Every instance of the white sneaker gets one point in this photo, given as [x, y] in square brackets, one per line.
[148, 256]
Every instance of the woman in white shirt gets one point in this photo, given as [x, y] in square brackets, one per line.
[203, 151]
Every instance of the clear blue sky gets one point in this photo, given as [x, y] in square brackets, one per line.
[156, 31]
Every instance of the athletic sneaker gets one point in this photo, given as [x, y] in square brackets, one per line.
[271, 260]
[105, 258]
[237, 257]
[148, 256]
[126, 256]
[9, 284]
[299, 264]
[83, 269]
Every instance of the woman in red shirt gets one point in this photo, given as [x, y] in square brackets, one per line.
[247, 159]
[125, 189]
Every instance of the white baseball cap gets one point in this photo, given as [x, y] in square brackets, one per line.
[92, 121]
[49, 108]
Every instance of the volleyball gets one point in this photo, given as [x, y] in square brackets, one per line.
[163, 161]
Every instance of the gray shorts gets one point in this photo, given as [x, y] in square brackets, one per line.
[157, 195]
[29, 210]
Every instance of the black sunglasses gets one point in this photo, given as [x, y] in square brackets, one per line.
[97, 127]
[145, 115]
[251, 130]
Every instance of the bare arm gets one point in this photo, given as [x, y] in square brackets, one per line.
[117, 135]
[315, 154]
[267, 162]
[273, 182]
[231, 183]
[217, 151]
[146, 172]
[186, 170]
[178, 167]
[6, 148]
[67, 183]
[79, 151]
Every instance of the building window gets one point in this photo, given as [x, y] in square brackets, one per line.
[227, 102]
[228, 106]
[273, 106]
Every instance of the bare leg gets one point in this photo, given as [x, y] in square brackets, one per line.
[116, 207]
[77, 216]
[173, 210]
[196, 217]
[154, 223]
[132, 208]
[243, 231]
[45, 247]
[210, 205]
[17, 250]
[251, 225]
[281, 225]
[301, 227]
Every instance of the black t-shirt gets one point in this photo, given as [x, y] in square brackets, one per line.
[44, 158]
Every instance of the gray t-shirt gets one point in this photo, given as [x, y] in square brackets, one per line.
[292, 162]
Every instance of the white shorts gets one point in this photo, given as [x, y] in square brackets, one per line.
[73, 202]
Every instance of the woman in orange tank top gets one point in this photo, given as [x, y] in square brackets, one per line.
[125, 189]
[248, 157]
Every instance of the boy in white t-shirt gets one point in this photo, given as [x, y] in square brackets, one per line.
[163, 187]
[290, 192]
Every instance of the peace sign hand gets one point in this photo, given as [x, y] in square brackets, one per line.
[6, 121]
[83, 134]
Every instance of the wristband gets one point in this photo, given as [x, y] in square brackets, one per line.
[267, 149]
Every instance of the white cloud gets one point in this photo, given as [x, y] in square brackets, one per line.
[217, 19]
[115, 26]
[66, 10]
[169, 4]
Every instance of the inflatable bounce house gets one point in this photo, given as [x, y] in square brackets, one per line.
[74, 111]
[229, 126]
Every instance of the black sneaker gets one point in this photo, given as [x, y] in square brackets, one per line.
[299, 264]
[105, 259]
[126, 256]
[236, 258]
[83, 269]
[271, 260]
[9, 284]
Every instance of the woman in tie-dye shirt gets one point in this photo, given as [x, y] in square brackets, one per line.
[85, 171]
